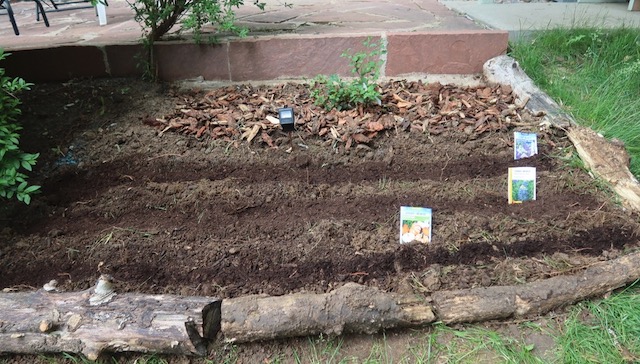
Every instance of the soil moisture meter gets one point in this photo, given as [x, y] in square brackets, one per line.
[287, 119]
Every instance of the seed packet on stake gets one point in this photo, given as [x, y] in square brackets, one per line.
[525, 145]
[522, 184]
[415, 224]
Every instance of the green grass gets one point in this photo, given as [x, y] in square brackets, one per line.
[595, 74]
[606, 331]
[476, 344]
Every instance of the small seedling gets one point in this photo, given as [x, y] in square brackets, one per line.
[333, 92]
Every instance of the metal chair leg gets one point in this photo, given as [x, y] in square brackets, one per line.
[40, 10]
[12, 19]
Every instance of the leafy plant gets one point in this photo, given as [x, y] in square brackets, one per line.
[157, 17]
[12, 160]
[334, 92]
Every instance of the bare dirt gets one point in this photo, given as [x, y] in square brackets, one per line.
[188, 192]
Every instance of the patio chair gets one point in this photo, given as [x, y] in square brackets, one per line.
[6, 4]
[56, 5]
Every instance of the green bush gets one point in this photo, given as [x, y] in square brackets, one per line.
[157, 17]
[333, 92]
[13, 183]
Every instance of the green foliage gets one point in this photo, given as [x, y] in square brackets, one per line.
[477, 344]
[604, 331]
[333, 92]
[157, 17]
[13, 183]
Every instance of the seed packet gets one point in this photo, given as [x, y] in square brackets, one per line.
[522, 184]
[415, 225]
[525, 145]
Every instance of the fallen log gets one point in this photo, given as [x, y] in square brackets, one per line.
[36, 322]
[608, 161]
[506, 71]
[92, 322]
[538, 297]
[97, 320]
[352, 308]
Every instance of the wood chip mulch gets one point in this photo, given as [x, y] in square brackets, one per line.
[248, 113]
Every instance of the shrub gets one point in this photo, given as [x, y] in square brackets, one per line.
[157, 17]
[13, 183]
[334, 92]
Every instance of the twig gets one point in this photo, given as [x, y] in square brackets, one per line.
[164, 155]
[445, 165]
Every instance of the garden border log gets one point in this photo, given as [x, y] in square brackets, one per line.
[352, 308]
[538, 297]
[506, 71]
[75, 322]
[35, 322]
[608, 161]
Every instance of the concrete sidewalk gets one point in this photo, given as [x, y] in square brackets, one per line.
[521, 19]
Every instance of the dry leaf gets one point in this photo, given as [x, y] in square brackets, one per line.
[251, 133]
[360, 138]
[200, 131]
[267, 139]
[335, 133]
[375, 126]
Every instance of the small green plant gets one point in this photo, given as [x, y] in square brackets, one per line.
[158, 17]
[13, 183]
[333, 92]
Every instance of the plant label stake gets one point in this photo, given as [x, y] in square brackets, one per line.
[287, 120]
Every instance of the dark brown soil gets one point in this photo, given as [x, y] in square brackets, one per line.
[166, 212]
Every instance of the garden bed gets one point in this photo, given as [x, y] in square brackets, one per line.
[196, 192]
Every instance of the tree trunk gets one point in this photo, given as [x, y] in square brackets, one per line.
[37, 322]
[609, 161]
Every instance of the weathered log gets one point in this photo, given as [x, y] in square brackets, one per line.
[352, 308]
[36, 322]
[500, 302]
[41, 321]
[608, 161]
[506, 71]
